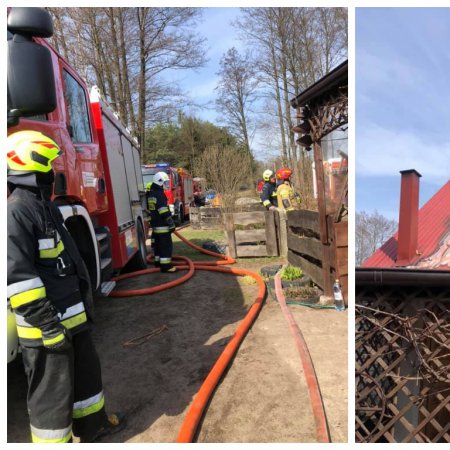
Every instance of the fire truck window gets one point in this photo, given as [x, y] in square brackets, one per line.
[78, 110]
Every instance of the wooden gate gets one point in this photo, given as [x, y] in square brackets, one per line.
[251, 234]
[402, 365]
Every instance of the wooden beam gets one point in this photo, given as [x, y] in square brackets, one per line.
[251, 250]
[229, 230]
[321, 201]
[270, 234]
[248, 218]
[304, 219]
[250, 236]
[315, 272]
[307, 246]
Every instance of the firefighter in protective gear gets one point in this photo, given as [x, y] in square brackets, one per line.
[268, 194]
[162, 222]
[50, 293]
[287, 199]
[148, 186]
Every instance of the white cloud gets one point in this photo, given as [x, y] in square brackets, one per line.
[385, 152]
[389, 68]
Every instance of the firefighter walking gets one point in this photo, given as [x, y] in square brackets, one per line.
[49, 291]
[162, 223]
[286, 197]
[268, 194]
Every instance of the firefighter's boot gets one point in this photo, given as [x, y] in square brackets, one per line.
[115, 423]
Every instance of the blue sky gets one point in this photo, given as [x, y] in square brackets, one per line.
[221, 36]
[402, 103]
[200, 84]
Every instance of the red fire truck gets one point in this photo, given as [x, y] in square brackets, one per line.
[180, 194]
[98, 181]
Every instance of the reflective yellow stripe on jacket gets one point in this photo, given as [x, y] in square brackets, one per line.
[74, 316]
[26, 291]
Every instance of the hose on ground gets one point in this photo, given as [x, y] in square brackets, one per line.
[196, 410]
[315, 396]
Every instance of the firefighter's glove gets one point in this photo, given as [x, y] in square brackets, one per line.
[44, 316]
[171, 224]
[59, 340]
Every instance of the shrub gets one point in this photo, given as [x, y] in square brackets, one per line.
[290, 273]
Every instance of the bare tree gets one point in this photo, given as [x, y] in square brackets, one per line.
[225, 170]
[371, 231]
[294, 48]
[124, 51]
[237, 91]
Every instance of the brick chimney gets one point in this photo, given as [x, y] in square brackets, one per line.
[408, 217]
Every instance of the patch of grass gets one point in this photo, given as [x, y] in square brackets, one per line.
[246, 280]
[198, 237]
[290, 273]
[201, 235]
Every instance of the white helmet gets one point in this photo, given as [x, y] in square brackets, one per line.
[161, 179]
[267, 175]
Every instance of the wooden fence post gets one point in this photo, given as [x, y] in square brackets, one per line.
[271, 234]
[229, 229]
[283, 232]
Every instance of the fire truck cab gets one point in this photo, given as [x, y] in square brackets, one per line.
[98, 181]
[180, 194]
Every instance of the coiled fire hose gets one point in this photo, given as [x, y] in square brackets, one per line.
[197, 408]
[195, 412]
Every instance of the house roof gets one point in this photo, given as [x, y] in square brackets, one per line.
[433, 237]
[332, 80]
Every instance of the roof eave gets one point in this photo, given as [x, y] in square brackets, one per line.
[376, 276]
[327, 83]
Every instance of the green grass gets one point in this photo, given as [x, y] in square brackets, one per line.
[198, 237]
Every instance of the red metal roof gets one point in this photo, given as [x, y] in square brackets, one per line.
[433, 237]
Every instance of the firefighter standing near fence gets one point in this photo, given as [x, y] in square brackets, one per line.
[50, 293]
[286, 197]
[162, 223]
[268, 194]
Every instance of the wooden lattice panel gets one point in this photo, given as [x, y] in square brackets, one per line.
[402, 365]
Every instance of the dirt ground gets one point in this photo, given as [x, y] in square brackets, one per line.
[262, 397]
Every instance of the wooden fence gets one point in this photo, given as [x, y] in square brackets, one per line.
[211, 218]
[402, 365]
[306, 250]
[251, 234]
[295, 235]
[206, 218]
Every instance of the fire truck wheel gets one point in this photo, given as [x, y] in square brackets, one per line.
[139, 262]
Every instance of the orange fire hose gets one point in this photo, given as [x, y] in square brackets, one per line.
[196, 410]
[308, 367]
[195, 413]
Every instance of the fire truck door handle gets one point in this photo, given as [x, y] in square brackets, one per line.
[79, 149]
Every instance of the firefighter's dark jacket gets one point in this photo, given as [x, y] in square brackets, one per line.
[160, 217]
[269, 195]
[48, 283]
